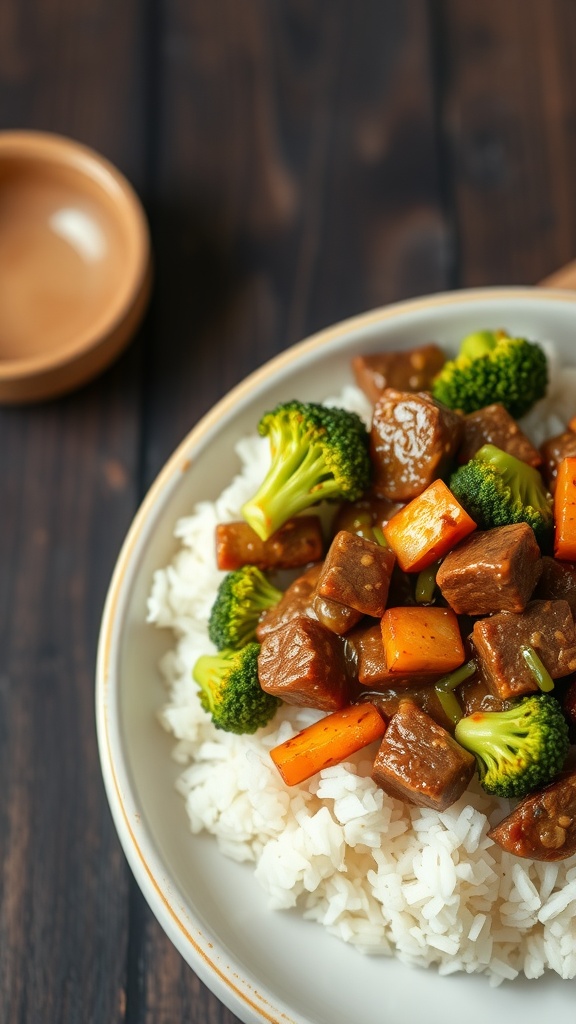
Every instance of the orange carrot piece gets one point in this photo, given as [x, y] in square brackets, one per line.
[327, 742]
[421, 640]
[427, 528]
[565, 511]
[572, 425]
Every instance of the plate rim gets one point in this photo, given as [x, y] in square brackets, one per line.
[238, 994]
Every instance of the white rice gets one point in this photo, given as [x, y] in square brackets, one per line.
[385, 876]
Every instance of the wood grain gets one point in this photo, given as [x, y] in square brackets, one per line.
[508, 112]
[300, 162]
[68, 489]
[304, 187]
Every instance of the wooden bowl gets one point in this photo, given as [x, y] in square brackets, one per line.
[74, 265]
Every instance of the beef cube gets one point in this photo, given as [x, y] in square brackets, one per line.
[365, 650]
[419, 761]
[413, 439]
[546, 626]
[494, 425]
[557, 582]
[491, 571]
[563, 446]
[412, 370]
[357, 573]
[298, 542]
[543, 825]
[303, 663]
[296, 600]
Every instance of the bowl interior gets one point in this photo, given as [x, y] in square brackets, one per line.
[273, 965]
[70, 249]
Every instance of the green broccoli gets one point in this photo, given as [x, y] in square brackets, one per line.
[497, 489]
[318, 453]
[230, 691]
[518, 749]
[242, 597]
[492, 367]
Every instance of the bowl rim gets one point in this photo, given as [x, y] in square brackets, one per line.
[317, 340]
[60, 150]
[141, 851]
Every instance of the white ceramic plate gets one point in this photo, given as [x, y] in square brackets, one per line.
[264, 965]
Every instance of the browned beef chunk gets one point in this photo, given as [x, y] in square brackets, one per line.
[295, 544]
[364, 648]
[494, 425]
[420, 761]
[413, 439]
[543, 825]
[412, 370]
[491, 571]
[296, 600]
[302, 663]
[563, 446]
[546, 626]
[557, 582]
[357, 573]
[363, 515]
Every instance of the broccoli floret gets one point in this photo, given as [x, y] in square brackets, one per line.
[492, 367]
[242, 597]
[518, 749]
[230, 690]
[318, 453]
[497, 489]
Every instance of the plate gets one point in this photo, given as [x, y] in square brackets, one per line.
[272, 966]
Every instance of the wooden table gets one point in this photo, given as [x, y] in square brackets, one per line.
[300, 162]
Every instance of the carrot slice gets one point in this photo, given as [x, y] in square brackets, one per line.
[327, 742]
[565, 511]
[421, 640]
[427, 528]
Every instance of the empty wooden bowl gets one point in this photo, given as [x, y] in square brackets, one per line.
[74, 265]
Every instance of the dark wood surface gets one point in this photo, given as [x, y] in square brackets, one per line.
[300, 161]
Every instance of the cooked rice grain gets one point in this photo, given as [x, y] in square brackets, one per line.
[384, 876]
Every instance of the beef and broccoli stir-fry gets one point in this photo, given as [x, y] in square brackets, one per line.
[437, 617]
